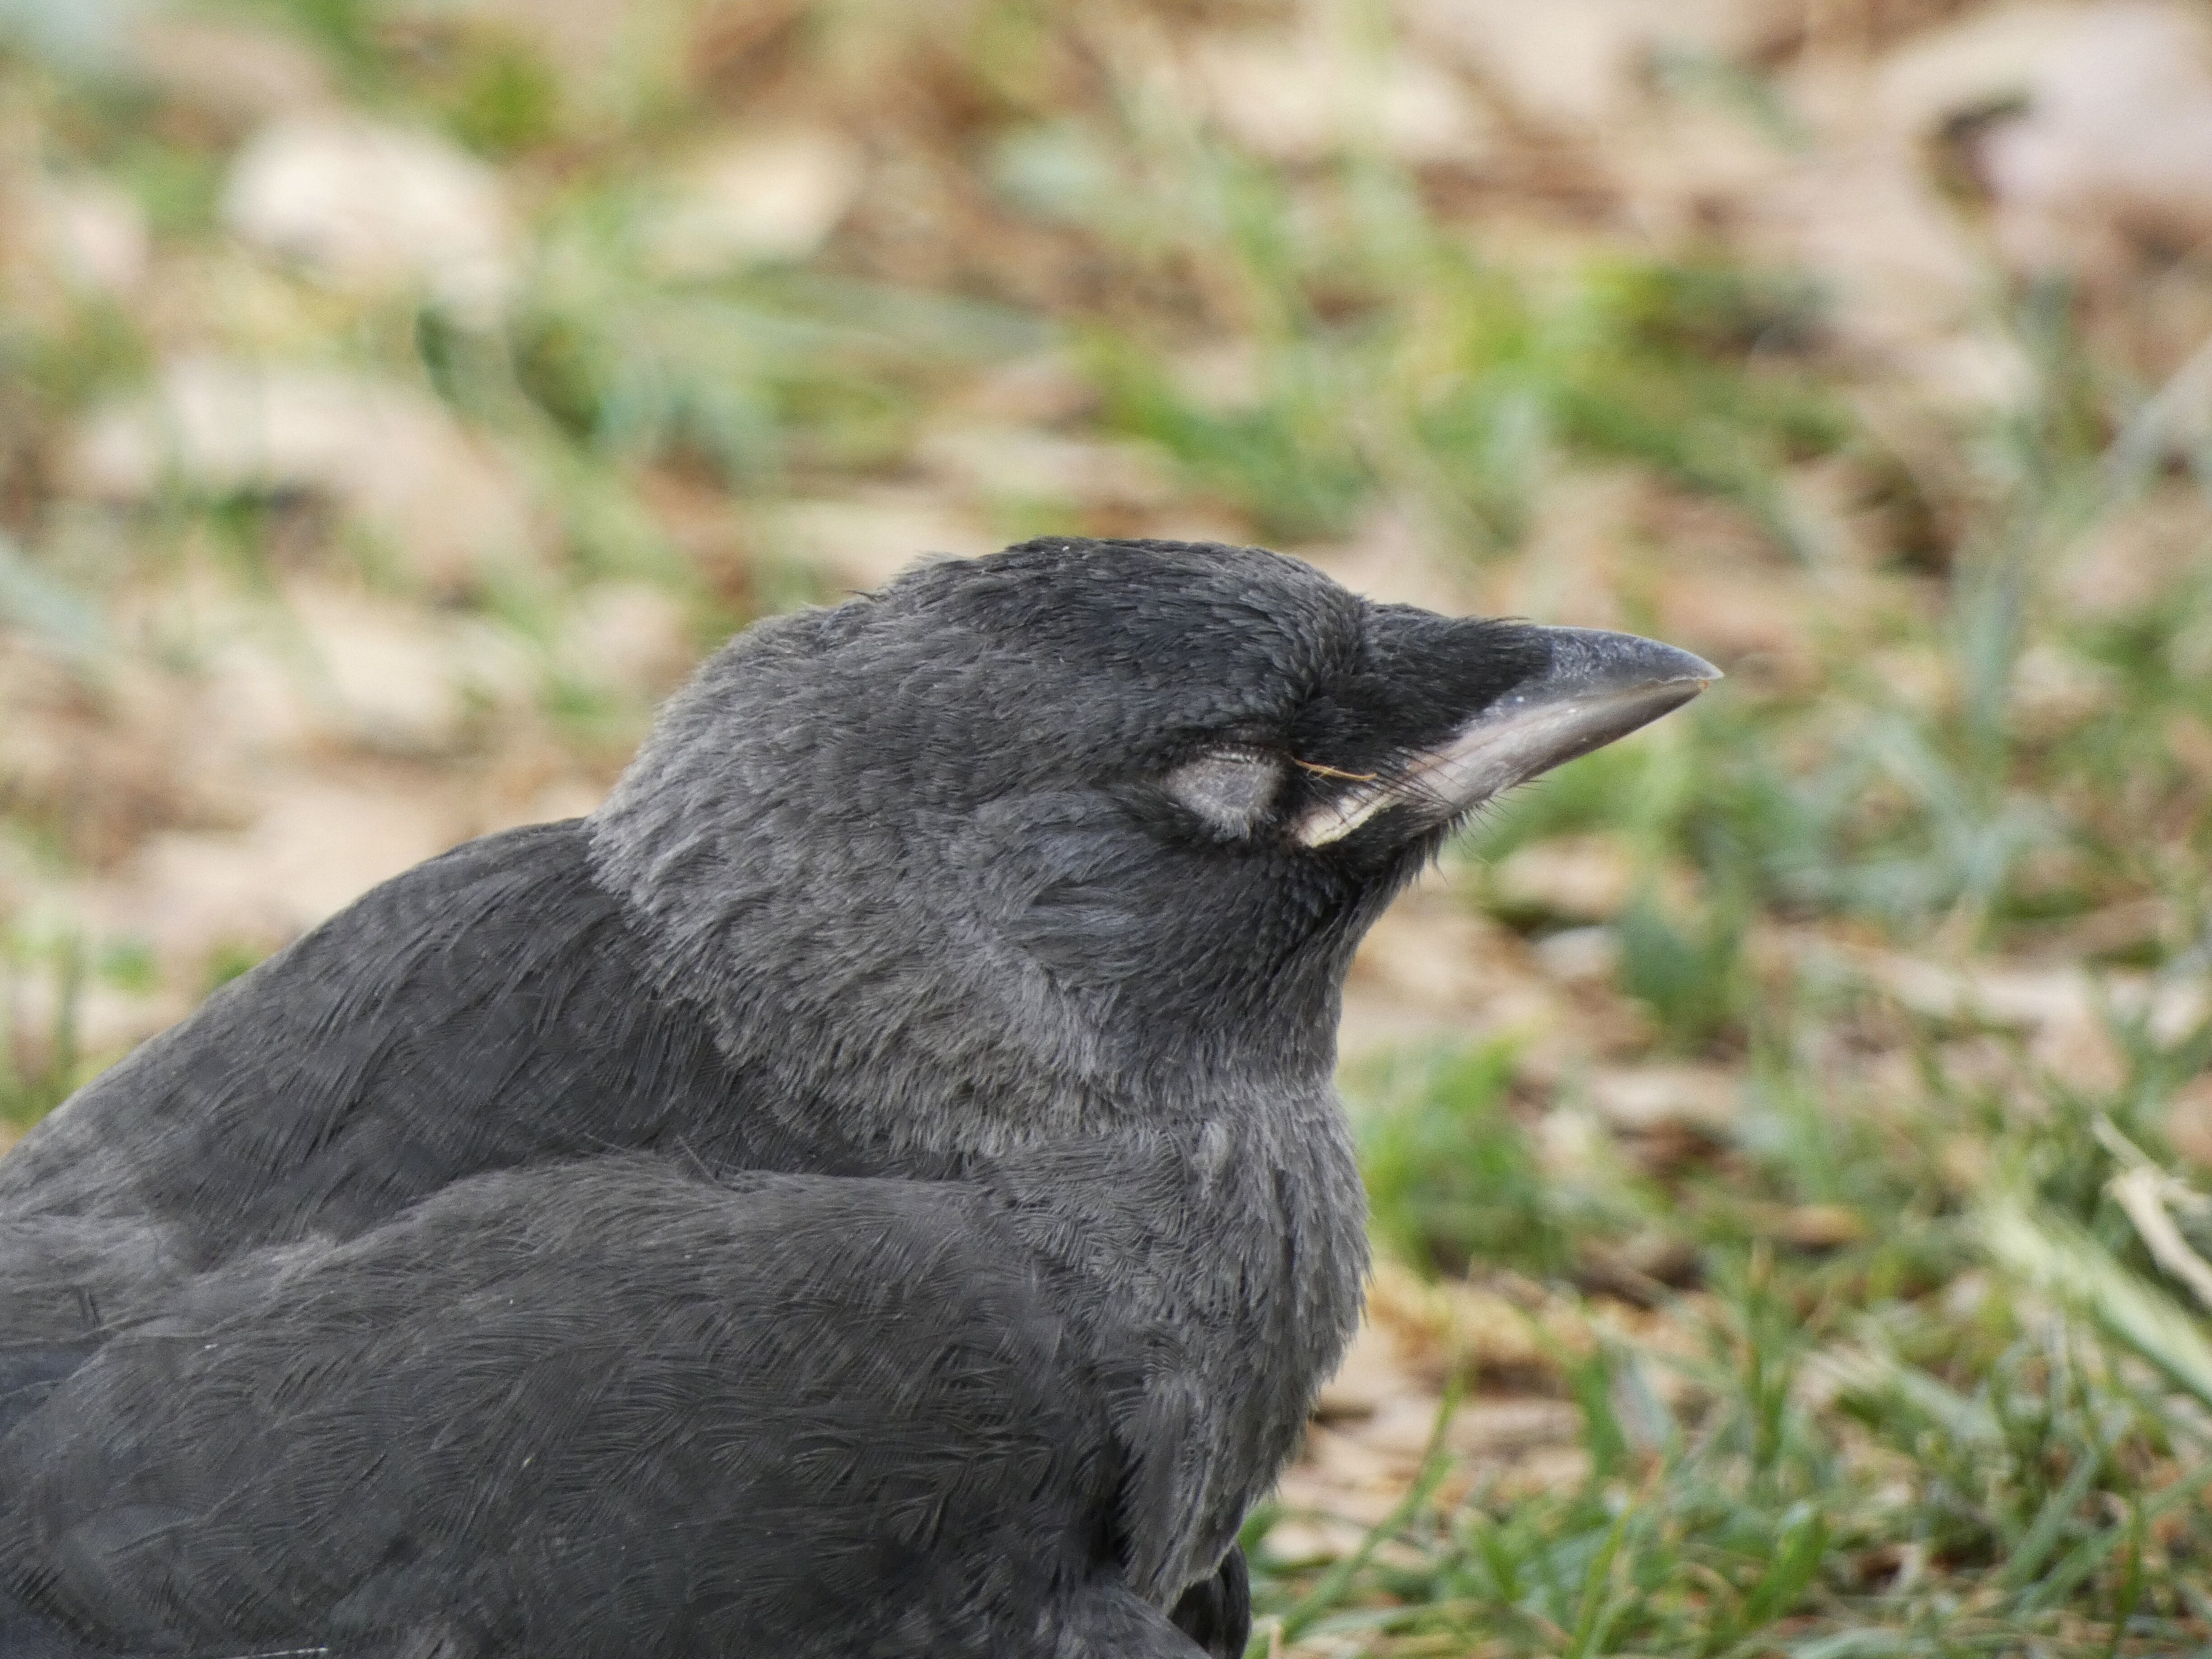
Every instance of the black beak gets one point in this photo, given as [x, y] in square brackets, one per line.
[1597, 686]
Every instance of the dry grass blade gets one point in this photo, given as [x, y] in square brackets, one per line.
[2141, 1193]
[2059, 1258]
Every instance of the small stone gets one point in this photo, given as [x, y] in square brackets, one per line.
[366, 205]
[445, 505]
[757, 198]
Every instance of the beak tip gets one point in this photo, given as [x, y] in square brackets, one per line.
[1688, 665]
[1591, 657]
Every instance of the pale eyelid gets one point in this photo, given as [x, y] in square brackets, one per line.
[1230, 790]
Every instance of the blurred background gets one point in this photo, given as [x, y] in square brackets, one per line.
[1787, 1130]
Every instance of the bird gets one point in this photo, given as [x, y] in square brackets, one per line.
[874, 1187]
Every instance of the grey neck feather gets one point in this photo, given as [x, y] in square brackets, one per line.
[867, 953]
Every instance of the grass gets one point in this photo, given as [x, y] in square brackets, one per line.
[1965, 1413]
[1900, 1354]
[1977, 1425]
[1978, 1428]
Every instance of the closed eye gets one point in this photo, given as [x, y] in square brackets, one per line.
[1229, 790]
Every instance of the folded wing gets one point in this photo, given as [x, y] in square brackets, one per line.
[601, 1408]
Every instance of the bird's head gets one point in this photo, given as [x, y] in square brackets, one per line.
[1083, 822]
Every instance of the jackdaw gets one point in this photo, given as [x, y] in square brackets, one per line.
[874, 1188]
